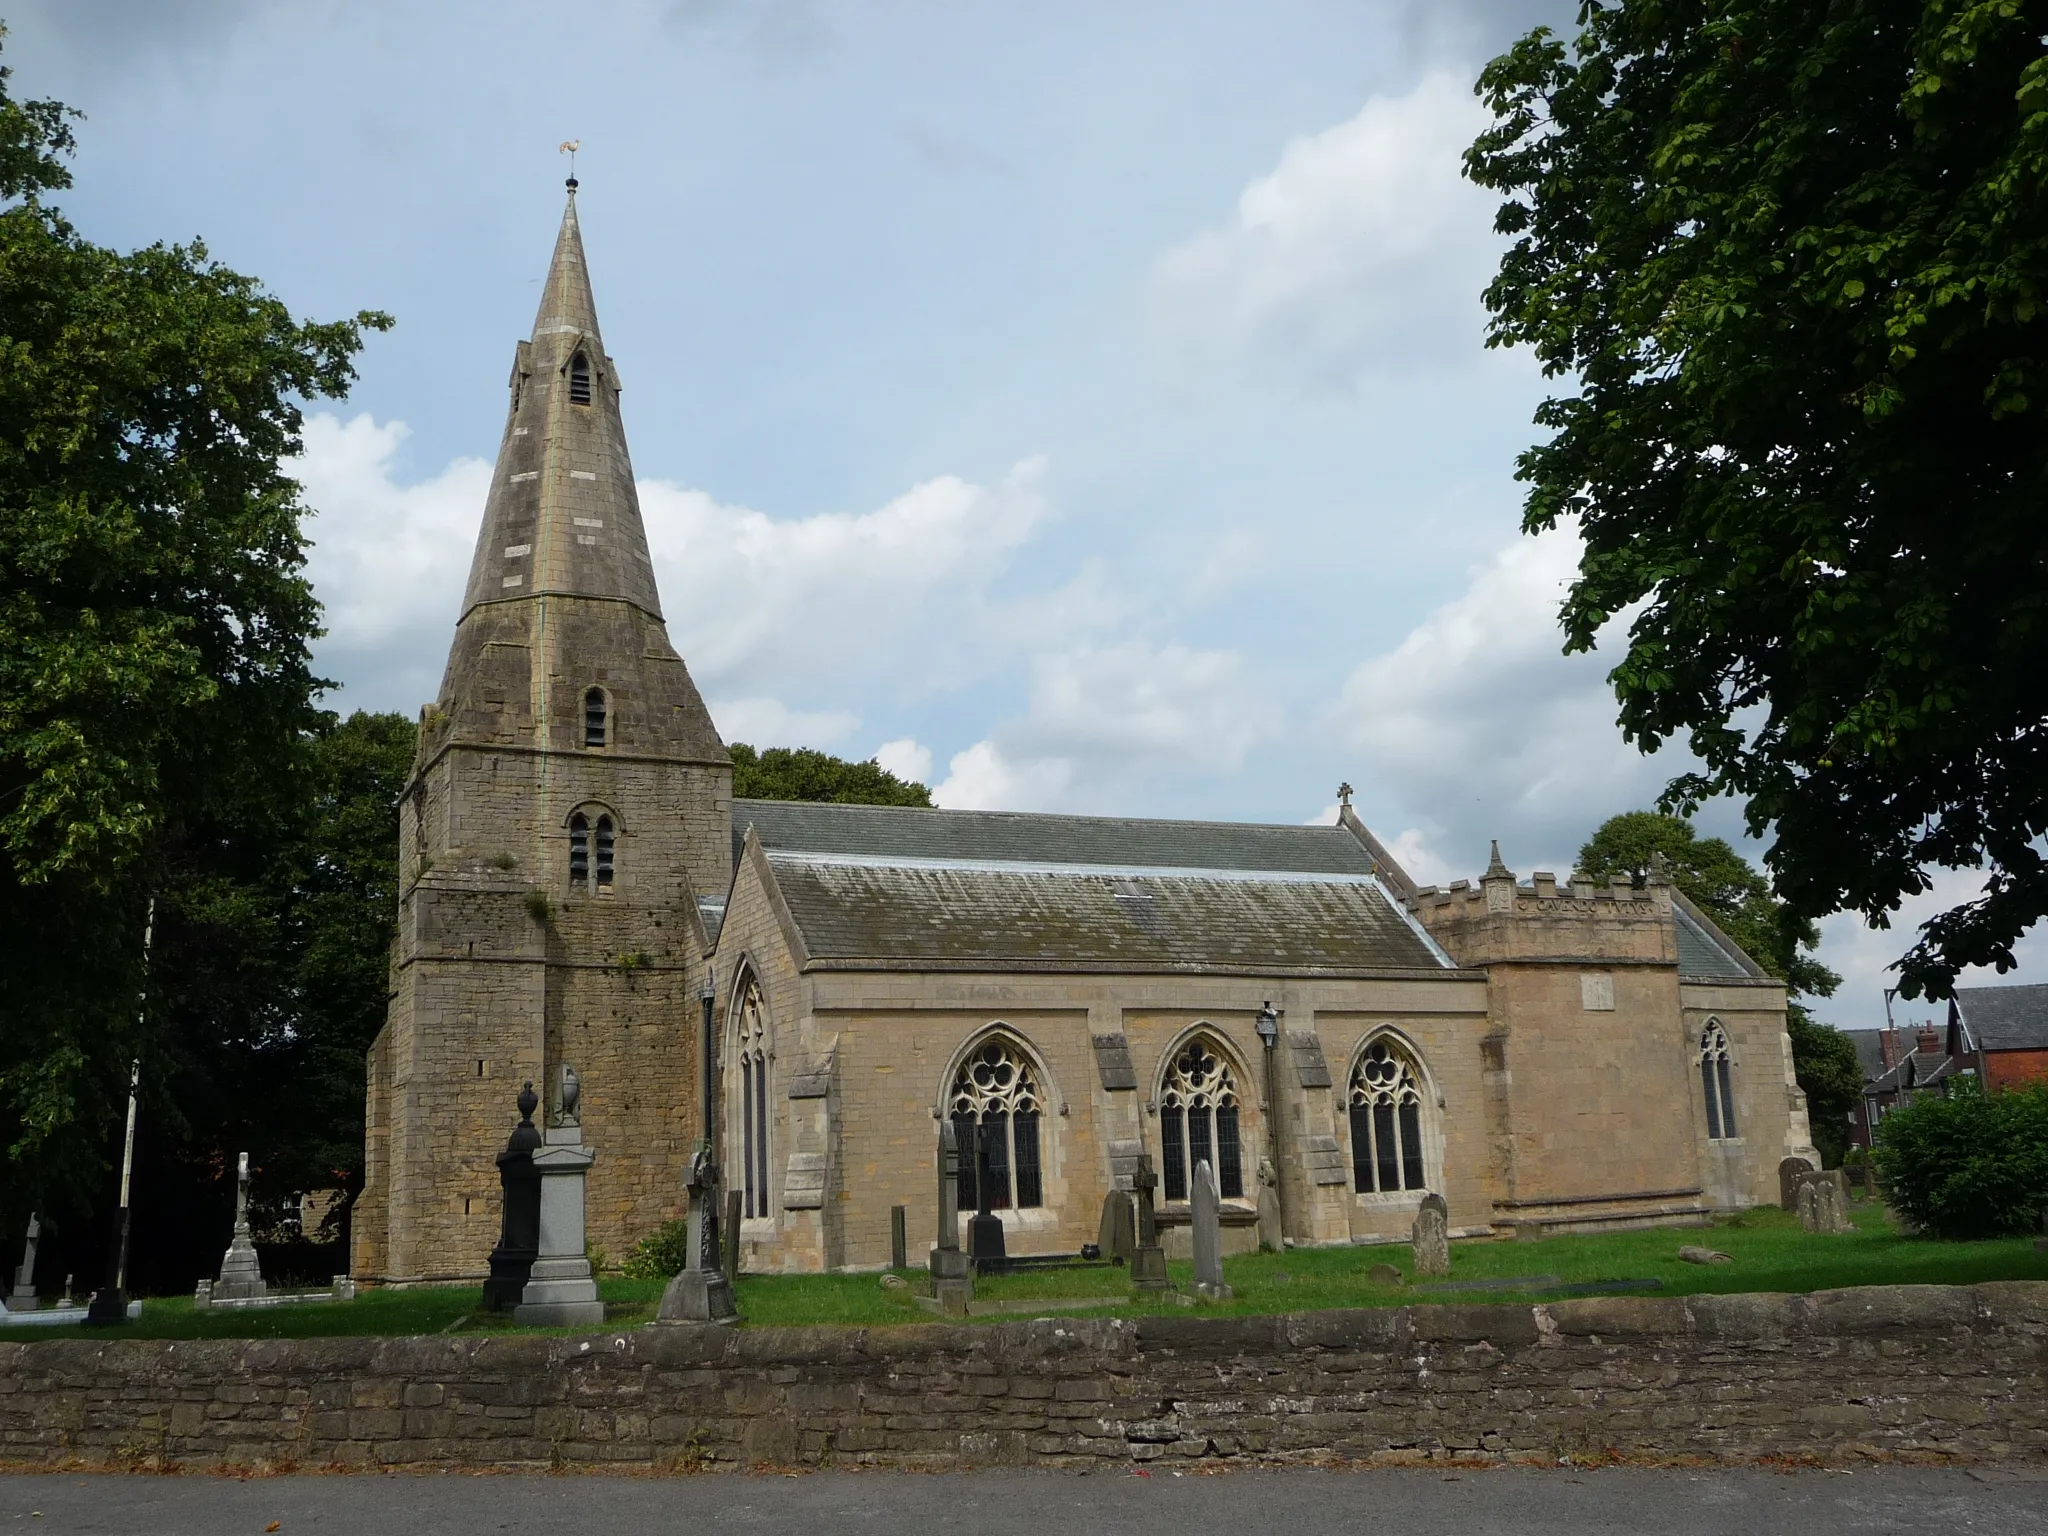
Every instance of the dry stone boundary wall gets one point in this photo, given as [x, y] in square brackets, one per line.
[1918, 1372]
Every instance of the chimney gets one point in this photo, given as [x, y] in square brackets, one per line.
[1888, 1048]
[1930, 1040]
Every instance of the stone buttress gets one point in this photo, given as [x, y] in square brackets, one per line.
[569, 804]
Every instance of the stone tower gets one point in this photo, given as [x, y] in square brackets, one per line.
[569, 804]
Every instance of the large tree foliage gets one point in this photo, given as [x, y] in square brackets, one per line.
[1737, 896]
[799, 773]
[155, 695]
[1793, 257]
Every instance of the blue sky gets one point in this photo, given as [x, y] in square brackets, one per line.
[1082, 406]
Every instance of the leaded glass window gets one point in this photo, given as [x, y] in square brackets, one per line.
[749, 1076]
[1717, 1081]
[1386, 1122]
[1198, 1122]
[996, 1095]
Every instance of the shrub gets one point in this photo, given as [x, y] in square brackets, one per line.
[660, 1254]
[1970, 1165]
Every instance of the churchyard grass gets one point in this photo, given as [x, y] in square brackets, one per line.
[1768, 1249]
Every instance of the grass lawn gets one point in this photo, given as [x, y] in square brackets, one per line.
[1770, 1253]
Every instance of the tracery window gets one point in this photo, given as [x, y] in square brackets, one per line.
[594, 718]
[750, 1048]
[1198, 1122]
[1717, 1081]
[579, 380]
[579, 849]
[1386, 1121]
[996, 1093]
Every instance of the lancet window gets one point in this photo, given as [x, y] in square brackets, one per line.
[997, 1102]
[579, 849]
[594, 718]
[579, 380]
[1386, 1122]
[603, 839]
[750, 1078]
[1198, 1122]
[1717, 1081]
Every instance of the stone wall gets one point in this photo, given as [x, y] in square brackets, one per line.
[1926, 1371]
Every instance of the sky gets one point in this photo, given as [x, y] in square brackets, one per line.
[1078, 407]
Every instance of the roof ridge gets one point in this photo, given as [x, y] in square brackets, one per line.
[1148, 821]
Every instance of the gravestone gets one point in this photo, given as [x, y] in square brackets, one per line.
[1208, 1235]
[1385, 1274]
[899, 1238]
[560, 1290]
[241, 1275]
[700, 1294]
[1430, 1237]
[1272, 1236]
[1148, 1259]
[985, 1230]
[1822, 1208]
[23, 1296]
[952, 1274]
[1790, 1171]
[1116, 1235]
[519, 1223]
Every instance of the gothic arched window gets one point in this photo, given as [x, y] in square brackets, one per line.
[579, 380]
[1717, 1081]
[1198, 1121]
[996, 1093]
[750, 1078]
[579, 849]
[604, 850]
[594, 711]
[1386, 1121]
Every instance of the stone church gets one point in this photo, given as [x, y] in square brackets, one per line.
[580, 886]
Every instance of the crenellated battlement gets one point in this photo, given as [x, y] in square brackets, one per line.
[1497, 918]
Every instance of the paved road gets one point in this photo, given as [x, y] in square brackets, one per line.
[1296, 1503]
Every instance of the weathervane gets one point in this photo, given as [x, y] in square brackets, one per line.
[569, 148]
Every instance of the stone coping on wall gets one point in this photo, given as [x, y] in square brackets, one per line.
[1926, 1372]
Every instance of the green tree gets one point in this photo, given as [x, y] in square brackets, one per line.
[1793, 260]
[1967, 1164]
[1739, 899]
[155, 691]
[798, 773]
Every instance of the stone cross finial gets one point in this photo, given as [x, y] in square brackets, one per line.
[1344, 793]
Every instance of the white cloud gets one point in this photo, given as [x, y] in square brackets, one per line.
[771, 723]
[1363, 239]
[983, 779]
[905, 758]
[388, 561]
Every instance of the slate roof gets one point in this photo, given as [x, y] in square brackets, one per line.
[929, 913]
[1029, 838]
[1704, 954]
[1916, 1069]
[2005, 1018]
[1869, 1045]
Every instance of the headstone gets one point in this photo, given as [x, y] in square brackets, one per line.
[23, 1297]
[1430, 1237]
[700, 1294]
[899, 1237]
[68, 1300]
[519, 1223]
[952, 1274]
[1692, 1254]
[1790, 1171]
[560, 1290]
[1148, 1259]
[1384, 1274]
[1272, 1236]
[1822, 1209]
[241, 1276]
[985, 1230]
[1116, 1235]
[1208, 1235]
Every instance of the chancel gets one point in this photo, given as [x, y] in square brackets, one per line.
[1090, 1004]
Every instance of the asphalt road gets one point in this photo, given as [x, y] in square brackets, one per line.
[1298, 1503]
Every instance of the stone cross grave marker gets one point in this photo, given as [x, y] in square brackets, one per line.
[701, 1293]
[240, 1273]
[952, 1276]
[1272, 1233]
[24, 1297]
[1430, 1238]
[985, 1231]
[1148, 1259]
[1208, 1235]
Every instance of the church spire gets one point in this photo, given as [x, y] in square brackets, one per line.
[563, 516]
